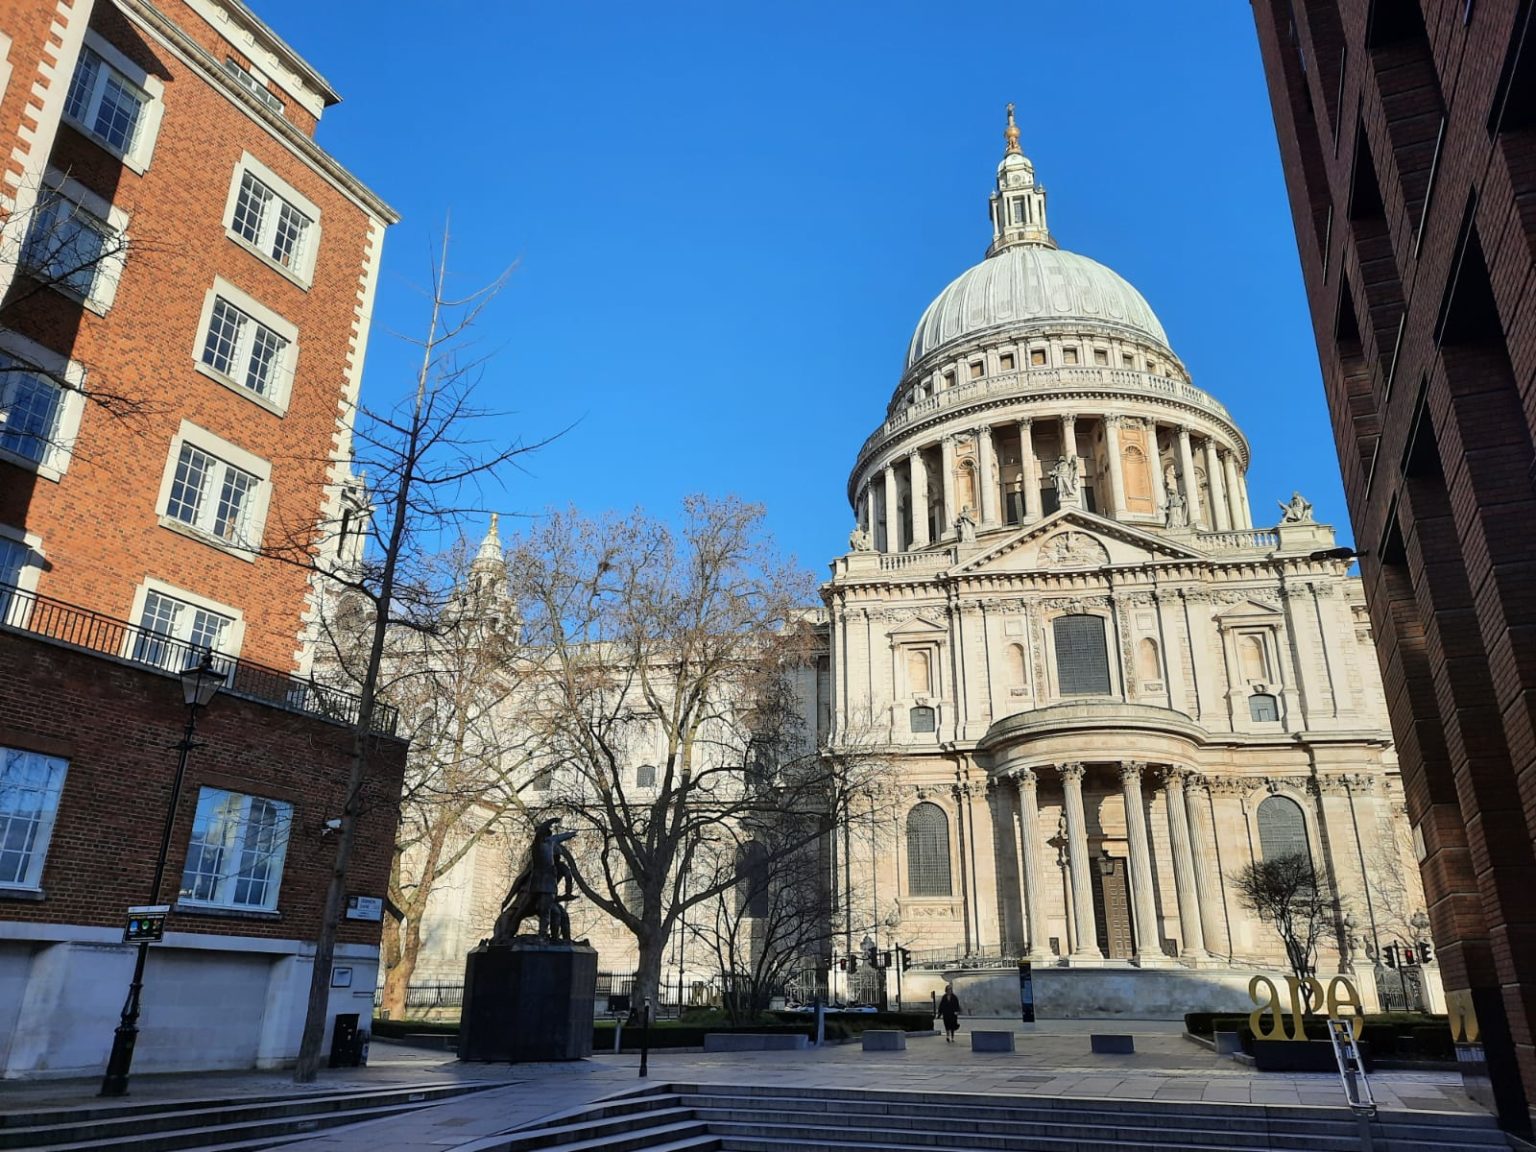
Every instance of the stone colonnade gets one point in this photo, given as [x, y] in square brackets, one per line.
[1228, 493]
[1185, 834]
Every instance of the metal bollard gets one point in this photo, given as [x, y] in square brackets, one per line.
[645, 1039]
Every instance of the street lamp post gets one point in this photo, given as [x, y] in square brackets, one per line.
[198, 685]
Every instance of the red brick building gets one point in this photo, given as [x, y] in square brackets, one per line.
[186, 281]
[1408, 134]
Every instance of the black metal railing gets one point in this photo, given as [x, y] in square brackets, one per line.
[958, 957]
[24, 611]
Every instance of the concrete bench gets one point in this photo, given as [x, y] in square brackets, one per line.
[1111, 1044]
[1227, 1043]
[755, 1042]
[884, 1040]
[983, 1040]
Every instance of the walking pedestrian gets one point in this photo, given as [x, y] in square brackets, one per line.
[949, 1009]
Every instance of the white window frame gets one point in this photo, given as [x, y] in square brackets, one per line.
[228, 873]
[101, 216]
[234, 635]
[276, 401]
[260, 498]
[32, 560]
[303, 274]
[69, 376]
[255, 82]
[152, 87]
[31, 880]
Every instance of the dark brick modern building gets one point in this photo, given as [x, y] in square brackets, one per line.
[186, 283]
[1408, 132]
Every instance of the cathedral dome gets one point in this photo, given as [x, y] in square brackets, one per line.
[1029, 283]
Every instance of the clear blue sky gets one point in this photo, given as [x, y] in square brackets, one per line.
[727, 217]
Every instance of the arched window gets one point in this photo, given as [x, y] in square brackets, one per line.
[1016, 665]
[1282, 828]
[1082, 660]
[645, 776]
[919, 677]
[1250, 654]
[1262, 706]
[752, 879]
[1148, 666]
[927, 851]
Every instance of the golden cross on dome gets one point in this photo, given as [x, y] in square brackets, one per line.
[1011, 134]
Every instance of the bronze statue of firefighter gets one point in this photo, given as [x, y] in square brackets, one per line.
[536, 891]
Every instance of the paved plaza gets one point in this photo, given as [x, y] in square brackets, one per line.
[1052, 1060]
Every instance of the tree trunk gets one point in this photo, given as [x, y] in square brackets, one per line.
[390, 950]
[398, 978]
[648, 972]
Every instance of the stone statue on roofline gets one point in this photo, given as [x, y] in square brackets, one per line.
[859, 541]
[1066, 478]
[1177, 514]
[965, 525]
[1296, 510]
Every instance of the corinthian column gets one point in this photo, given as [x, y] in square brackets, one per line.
[918, 472]
[1149, 947]
[1027, 466]
[1116, 472]
[985, 466]
[1087, 935]
[1192, 944]
[1031, 860]
[1187, 479]
[948, 512]
[1234, 493]
[1220, 513]
[1197, 805]
[892, 511]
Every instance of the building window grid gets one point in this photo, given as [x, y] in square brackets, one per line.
[104, 103]
[244, 349]
[1282, 828]
[31, 404]
[171, 631]
[235, 855]
[1082, 661]
[928, 851]
[270, 224]
[198, 476]
[30, 784]
[65, 245]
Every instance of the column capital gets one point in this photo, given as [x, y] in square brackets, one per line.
[1113, 420]
[983, 430]
[1131, 770]
[1025, 421]
[1072, 773]
[1173, 778]
[1024, 778]
[914, 453]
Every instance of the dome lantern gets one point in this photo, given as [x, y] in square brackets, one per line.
[1018, 203]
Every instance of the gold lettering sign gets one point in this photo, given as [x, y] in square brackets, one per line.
[1306, 994]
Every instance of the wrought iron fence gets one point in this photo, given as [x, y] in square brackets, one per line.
[958, 957]
[24, 611]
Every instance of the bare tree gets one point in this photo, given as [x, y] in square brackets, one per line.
[454, 684]
[669, 661]
[422, 459]
[776, 921]
[1288, 894]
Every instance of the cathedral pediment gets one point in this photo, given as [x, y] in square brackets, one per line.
[1072, 540]
[916, 626]
[1247, 610]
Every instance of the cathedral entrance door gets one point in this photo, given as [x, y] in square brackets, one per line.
[1112, 907]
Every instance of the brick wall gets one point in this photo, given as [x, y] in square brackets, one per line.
[116, 724]
[99, 525]
[1408, 134]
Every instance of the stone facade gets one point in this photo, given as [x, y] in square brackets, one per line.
[1099, 689]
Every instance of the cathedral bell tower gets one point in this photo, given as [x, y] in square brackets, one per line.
[1018, 204]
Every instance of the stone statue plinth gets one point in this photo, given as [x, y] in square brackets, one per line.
[528, 1000]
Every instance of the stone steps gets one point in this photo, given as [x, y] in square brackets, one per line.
[775, 1119]
[236, 1122]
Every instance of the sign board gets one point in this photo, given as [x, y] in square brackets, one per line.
[1026, 992]
[144, 928]
[365, 908]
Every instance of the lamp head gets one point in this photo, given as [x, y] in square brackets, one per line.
[200, 681]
